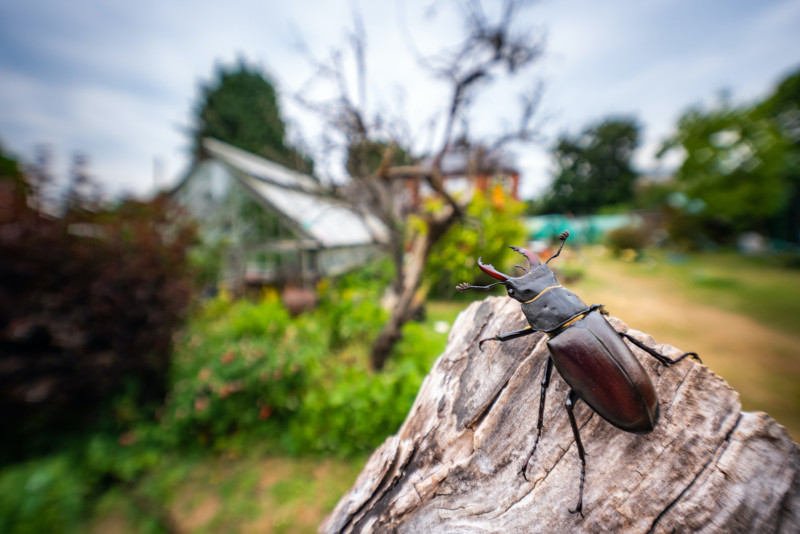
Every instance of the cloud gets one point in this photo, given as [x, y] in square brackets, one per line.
[117, 80]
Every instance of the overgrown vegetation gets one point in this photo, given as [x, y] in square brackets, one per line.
[245, 376]
[247, 371]
[492, 223]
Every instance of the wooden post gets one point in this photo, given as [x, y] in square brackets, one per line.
[454, 464]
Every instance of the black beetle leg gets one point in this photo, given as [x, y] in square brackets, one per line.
[506, 337]
[657, 355]
[548, 370]
[570, 404]
[600, 308]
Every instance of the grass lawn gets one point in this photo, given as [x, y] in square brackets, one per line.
[254, 493]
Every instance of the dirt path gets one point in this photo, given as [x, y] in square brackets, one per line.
[760, 362]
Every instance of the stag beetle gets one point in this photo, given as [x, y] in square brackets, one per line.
[589, 354]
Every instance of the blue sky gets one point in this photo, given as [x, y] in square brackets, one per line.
[117, 80]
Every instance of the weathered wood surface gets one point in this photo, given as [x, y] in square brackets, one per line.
[454, 464]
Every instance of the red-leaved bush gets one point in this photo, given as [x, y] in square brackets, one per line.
[89, 301]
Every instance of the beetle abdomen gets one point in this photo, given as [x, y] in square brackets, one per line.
[599, 366]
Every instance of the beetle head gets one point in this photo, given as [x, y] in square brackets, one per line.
[537, 276]
[529, 285]
[523, 288]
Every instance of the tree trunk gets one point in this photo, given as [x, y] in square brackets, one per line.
[411, 277]
[410, 281]
[454, 464]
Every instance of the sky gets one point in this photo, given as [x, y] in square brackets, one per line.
[117, 81]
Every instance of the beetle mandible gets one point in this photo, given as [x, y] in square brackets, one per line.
[588, 352]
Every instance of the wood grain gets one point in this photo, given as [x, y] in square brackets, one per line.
[454, 464]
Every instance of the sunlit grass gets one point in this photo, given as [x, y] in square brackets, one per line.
[252, 493]
[756, 287]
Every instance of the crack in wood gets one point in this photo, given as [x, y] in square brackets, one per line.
[373, 500]
[714, 456]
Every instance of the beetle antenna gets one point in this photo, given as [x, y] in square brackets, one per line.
[563, 238]
[463, 286]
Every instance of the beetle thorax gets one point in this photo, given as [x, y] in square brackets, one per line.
[528, 286]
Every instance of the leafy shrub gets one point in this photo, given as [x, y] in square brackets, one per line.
[628, 238]
[489, 229]
[246, 370]
[350, 308]
[243, 371]
[46, 495]
[352, 409]
[244, 375]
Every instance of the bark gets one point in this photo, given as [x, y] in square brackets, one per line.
[411, 271]
[454, 464]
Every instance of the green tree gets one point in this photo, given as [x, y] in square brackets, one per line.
[240, 107]
[743, 164]
[783, 108]
[594, 169]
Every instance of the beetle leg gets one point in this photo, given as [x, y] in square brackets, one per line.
[570, 404]
[548, 370]
[506, 337]
[601, 308]
[657, 355]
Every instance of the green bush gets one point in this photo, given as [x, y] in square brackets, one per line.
[240, 371]
[628, 238]
[490, 228]
[352, 409]
[45, 495]
[350, 309]
[246, 370]
[244, 375]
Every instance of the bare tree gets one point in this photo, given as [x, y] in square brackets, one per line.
[380, 167]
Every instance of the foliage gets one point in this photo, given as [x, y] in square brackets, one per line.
[628, 238]
[352, 409]
[244, 375]
[241, 372]
[88, 301]
[492, 225]
[240, 107]
[741, 170]
[246, 371]
[725, 147]
[593, 169]
[46, 495]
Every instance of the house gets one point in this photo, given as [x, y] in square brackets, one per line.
[275, 226]
[464, 169]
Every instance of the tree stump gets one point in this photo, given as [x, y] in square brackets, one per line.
[454, 464]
